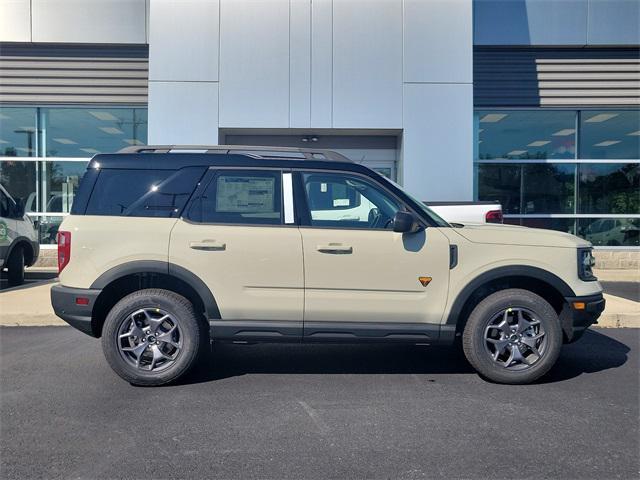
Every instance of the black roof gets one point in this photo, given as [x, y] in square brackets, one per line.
[173, 158]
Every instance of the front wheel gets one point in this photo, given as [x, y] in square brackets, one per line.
[15, 267]
[513, 336]
[152, 337]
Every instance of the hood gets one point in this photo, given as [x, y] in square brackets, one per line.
[515, 235]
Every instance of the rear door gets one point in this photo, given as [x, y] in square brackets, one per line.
[239, 236]
[361, 277]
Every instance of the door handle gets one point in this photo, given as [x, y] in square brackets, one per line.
[335, 248]
[208, 245]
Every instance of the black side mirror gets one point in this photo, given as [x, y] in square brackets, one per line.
[405, 222]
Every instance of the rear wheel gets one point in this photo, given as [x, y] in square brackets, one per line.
[153, 337]
[15, 266]
[513, 336]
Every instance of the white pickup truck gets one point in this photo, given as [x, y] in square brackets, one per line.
[468, 212]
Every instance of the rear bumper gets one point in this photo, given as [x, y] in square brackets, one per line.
[576, 320]
[65, 305]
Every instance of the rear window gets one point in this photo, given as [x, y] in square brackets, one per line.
[143, 193]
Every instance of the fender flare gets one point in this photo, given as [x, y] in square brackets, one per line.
[164, 268]
[14, 243]
[507, 271]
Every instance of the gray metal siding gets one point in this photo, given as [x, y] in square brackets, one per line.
[79, 75]
[556, 77]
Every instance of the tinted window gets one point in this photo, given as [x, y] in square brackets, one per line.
[4, 205]
[243, 197]
[143, 193]
[348, 201]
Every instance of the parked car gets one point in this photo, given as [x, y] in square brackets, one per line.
[468, 212]
[19, 245]
[168, 249]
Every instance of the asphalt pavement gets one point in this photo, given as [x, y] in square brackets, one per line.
[293, 411]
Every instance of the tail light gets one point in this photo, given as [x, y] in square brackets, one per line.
[494, 216]
[64, 249]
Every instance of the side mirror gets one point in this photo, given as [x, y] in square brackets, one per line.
[405, 222]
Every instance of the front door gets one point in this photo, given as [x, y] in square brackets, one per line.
[357, 269]
[237, 239]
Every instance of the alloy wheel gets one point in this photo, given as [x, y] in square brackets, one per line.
[515, 339]
[149, 339]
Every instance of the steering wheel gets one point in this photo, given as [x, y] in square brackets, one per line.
[374, 217]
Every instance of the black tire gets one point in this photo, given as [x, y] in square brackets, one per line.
[193, 336]
[15, 266]
[478, 353]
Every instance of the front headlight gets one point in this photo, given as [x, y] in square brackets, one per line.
[585, 262]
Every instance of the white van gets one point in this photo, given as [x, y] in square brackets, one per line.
[19, 246]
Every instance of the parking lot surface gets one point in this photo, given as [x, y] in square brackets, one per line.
[292, 411]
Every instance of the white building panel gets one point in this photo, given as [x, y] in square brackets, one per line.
[95, 21]
[184, 38]
[254, 63]
[183, 113]
[367, 64]
[438, 41]
[300, 64]
[437, 147]
[15, 21]
[321, 63]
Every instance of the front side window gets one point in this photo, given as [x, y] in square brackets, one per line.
[341, 200]
[241, 197]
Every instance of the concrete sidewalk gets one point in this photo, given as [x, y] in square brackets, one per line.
[31, 306]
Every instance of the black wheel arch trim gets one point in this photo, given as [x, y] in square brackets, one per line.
[165, 268]
[507, 271]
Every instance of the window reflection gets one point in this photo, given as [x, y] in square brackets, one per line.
[19, 178]
[610, 134]
[549, 188]
[500, 183]
[83, 132]
[528, 134]
[18, 132]
[611, 232]
[609, 188]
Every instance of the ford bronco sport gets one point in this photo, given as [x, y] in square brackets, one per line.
[170, 248]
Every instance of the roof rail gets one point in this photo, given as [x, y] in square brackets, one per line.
[293, 153]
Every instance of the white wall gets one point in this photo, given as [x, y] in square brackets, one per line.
[347, 64]
[73, 21]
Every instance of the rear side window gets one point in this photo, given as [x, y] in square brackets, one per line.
[242, 197]
[143, 193]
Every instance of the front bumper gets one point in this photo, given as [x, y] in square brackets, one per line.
[67, 306]
[579, 314]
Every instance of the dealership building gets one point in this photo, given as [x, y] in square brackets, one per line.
[533, 103]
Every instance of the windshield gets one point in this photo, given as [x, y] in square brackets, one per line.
[439, 221]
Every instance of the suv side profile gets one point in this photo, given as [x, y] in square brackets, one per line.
[169, 249]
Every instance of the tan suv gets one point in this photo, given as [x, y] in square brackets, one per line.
[168, 249]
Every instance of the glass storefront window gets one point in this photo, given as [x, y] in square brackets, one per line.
[83, 132]
[526, 134]
[19, 178]
[549, 188]
[500, 183]
[18, 127]
[560, 224]
[61, 185]
[47, 226]
[610, 134]
[609, 188]
[610, 232]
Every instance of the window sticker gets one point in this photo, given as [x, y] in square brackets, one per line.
[245, 194]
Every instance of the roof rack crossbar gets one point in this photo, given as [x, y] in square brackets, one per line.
[259, 151]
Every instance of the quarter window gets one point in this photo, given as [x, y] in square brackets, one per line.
[242, 197]
[348, 201]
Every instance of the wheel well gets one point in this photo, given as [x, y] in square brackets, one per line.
[539, 287]
[123, 286]
[26, 248]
